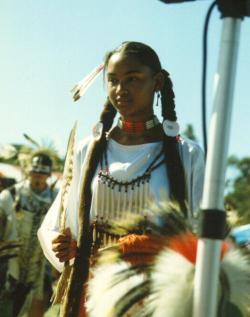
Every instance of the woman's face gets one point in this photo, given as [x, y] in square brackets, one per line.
[131, 87]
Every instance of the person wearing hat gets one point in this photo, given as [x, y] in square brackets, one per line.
[24, 206]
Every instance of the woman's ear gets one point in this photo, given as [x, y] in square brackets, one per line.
[159, 81]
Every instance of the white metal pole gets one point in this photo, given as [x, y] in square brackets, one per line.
[208, 256]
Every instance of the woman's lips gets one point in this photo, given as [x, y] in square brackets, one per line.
[121, 102]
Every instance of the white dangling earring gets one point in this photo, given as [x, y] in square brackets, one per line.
[171, 128]
[97, 131]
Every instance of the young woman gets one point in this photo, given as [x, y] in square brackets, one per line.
[122, 169]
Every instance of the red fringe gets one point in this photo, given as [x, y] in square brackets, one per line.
[139, 249]
[186, 245]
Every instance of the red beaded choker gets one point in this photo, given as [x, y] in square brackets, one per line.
[137, 127]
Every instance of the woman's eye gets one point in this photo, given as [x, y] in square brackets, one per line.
[132, 79]
[112, 81]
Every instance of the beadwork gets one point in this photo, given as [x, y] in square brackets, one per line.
[137, 127]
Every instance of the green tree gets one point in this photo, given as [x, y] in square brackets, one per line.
[238, 196]
[189, 132]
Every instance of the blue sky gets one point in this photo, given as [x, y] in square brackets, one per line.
[47, 46]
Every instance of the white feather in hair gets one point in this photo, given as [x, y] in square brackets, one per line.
[81, 87]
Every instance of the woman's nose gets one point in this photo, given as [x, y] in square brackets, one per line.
[121, 87]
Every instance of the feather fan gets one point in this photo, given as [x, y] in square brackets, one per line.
[161, 285]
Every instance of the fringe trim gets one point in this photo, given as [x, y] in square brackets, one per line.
[62, 286]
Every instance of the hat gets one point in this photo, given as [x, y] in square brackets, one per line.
[41, 163]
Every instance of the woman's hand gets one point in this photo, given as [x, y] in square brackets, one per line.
[64, 246]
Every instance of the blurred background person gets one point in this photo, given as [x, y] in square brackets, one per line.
[22, 209]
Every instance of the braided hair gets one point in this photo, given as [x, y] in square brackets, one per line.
[80, 269]
[174, 165]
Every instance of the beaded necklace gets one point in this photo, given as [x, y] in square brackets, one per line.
[105, 177]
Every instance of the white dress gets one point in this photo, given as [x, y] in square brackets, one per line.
[125, 162]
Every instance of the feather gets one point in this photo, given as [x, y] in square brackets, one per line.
[164, 219]
[81, 87]
[158, 269]
[141, 249]
[67, 175]
[32, 141]
[172, 284]
[63, 281]
[111, 261]
[236, 265]
[132, 299]
[135, 253]
[105, 293]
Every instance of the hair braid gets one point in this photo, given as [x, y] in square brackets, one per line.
[175, 170]
[98, 147]
[107, 115]
[81, 265]
[167, 98]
